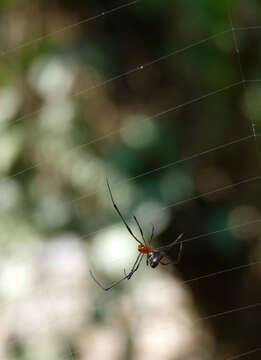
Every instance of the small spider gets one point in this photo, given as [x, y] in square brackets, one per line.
[154, 256]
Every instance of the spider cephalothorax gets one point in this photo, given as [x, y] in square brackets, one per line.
[154, 256]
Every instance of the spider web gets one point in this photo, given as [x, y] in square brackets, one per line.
[247, 139]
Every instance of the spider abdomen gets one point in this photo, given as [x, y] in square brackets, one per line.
[154, 258]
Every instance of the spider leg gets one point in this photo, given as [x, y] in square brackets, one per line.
[152, 232]
[139, 228]
[126, 276]
[135, 266]
[177, 259]
[171, 244]
[118, 211]
[108, 287]
[139, 263]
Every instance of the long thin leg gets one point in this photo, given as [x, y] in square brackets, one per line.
[127, 276]
[140, 229]
[118, 211]
[135, 269]
[152, 232]
[178, 257]
[133, 266]
[108, 287]
[171, 244]
[139, 263]
[151, 237]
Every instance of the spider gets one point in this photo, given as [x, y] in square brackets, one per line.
[154, 256]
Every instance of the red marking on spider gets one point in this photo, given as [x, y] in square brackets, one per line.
[154, 256]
